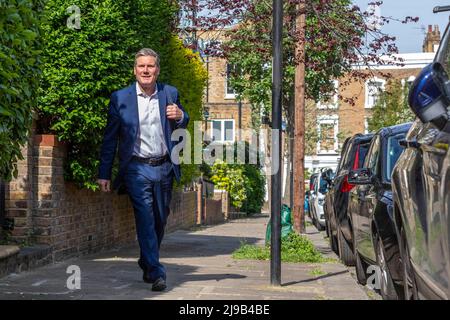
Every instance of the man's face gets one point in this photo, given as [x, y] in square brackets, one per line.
[146, 71]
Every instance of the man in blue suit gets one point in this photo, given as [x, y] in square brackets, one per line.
[141, 119]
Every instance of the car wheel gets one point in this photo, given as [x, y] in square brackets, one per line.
[319, 226]
[345, 252]
[387, 287]
[409, 281]
[333, 240]
[360, 266]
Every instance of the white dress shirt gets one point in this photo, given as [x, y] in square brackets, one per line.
[150, 141]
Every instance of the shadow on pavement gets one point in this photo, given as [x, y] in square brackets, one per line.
[314, 279]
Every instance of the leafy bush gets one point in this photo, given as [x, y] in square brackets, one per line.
[83, 67]
[244, 182]
[19, 77]
[294, 248]
[255, 188]
[230, 178]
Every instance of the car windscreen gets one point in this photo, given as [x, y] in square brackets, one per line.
[393, 151]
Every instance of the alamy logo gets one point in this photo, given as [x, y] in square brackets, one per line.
[74, 21]
[373, 281]
[74, 280]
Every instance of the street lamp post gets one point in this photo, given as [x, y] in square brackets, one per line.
[277, 71]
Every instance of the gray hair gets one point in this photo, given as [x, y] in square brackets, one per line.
[146, 52]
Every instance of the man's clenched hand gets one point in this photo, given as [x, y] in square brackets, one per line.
[105, 185]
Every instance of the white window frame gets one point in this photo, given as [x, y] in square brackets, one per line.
[329, 119]
[334, 103]
[222, 130]
[367, 105]
[228, 95]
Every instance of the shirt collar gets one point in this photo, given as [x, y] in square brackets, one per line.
[139, 91]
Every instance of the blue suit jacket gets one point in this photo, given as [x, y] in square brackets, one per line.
[122, 129]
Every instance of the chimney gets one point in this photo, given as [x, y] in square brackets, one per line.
[432, 39]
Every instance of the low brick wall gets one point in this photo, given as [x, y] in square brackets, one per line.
[183, 211]
[48, 210]
[213, 211]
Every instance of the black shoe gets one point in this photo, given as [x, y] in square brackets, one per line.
[145, 275]
[159, 285]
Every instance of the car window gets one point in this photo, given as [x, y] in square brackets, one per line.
[344, 158]
[363, 148]
[323, 188]
[394, 149]
[373, 155]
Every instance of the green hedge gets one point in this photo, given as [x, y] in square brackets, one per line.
[83, 67]
[19, 77]
[244, 182]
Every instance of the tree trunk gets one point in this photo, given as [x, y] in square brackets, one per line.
[299, 128]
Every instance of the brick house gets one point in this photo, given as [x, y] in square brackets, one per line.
[337, 119]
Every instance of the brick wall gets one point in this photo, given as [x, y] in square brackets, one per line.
[48, 210]
[213, 211]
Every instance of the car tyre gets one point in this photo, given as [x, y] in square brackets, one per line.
[345, 252]
[360, 266]
[387, 287]
[409, 281]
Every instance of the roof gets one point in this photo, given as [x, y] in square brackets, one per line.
[410, 61]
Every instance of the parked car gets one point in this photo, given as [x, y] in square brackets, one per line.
[312, 182]
[421, 184]
[371, 212]
[320, 188]
[336, 201]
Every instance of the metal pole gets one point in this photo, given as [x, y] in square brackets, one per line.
[277, 72]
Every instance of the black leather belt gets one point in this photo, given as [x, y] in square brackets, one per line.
[153, 161]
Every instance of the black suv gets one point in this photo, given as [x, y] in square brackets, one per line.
[338, 224]
[371, 212]
[421, 184]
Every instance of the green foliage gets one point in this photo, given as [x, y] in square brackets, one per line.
[255, 189]
[250, 48]
[391, 107]
[230, 178]
[83, 67]
[244, 182]
[184, 70]
[19, 77]
[294, 248]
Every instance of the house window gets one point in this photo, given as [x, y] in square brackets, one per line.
[328, 131]
[222, 130]
[374, 87]
[229, 91]
[331, 101]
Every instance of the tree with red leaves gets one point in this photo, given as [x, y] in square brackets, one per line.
[338, 36]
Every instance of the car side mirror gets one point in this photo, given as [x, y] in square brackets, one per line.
[360, 176]
[429, 95]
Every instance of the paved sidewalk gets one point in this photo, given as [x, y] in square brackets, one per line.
[199, 266]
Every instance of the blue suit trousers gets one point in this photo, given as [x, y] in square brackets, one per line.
[150, 191]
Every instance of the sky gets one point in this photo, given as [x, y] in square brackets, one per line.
[409, 37]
